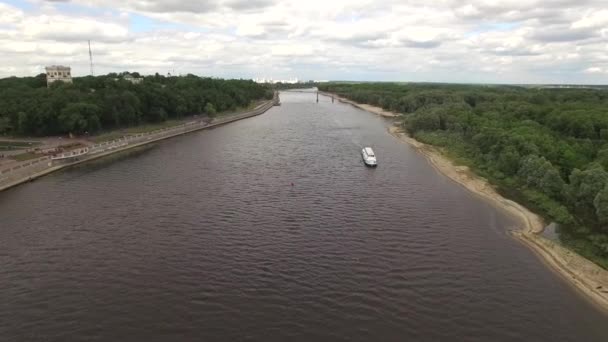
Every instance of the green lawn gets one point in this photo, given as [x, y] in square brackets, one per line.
[16, 145]
[154, 126]
[107, 136]
[145, 128]
[25, 156]
[240, 110]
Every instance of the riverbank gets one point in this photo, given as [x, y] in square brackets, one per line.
[150, 127]
[37, 170]
[366, 107]
[589, 278]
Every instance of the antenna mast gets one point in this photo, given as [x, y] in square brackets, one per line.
[91, 58]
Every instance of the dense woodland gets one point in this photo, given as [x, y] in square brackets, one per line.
[90, 104]
[547, 148]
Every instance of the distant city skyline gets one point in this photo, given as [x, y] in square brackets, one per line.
[476, 41]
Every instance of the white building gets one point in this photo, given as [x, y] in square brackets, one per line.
[56, 73]
[272, 81]
[134, 80]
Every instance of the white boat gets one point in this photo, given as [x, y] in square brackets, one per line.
[369, 157]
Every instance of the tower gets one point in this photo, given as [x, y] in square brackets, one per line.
[91, 58]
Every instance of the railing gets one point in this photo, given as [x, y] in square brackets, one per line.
[30, 168]
[70, 154]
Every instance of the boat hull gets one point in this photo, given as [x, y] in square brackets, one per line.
[368, 157]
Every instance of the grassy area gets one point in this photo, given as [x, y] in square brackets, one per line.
[145, 128]
[153, 127]
[107, 136]
[581, 245]
[240, 110]
[16, 145]
[149, 127]
[25, 156]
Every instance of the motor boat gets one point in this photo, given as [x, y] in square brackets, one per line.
[369, 157]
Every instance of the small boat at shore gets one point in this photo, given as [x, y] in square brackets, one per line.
[369, 157]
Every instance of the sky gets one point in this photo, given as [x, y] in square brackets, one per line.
[465, 41]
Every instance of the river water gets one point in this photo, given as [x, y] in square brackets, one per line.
[271, 229]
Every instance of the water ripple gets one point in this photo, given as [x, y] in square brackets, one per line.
[272, 229]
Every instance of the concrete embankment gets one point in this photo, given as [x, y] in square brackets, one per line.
[44, 166]
[586, 276]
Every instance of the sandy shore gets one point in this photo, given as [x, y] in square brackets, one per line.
[366, 107]
[586, 276]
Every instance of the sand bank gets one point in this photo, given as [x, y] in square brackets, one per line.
[589, 278]
[366, 107]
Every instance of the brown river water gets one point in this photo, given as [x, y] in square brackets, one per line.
[272, 229]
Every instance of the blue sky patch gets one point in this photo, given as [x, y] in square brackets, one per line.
[141, 23]
[24, 5]
[493, 27]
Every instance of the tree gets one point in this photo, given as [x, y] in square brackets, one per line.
[210, 109]
[584, 187]
[80, 117]
[552, 183]
[508, 161]
[5, 125]
[600, 202]
[23, 122]
[538, 172]
[28, 107]
[602, 157]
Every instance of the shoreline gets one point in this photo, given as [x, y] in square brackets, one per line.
[365, 107]
[588, 278]
[261, 109]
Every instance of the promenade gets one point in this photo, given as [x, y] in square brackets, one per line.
[29, 170]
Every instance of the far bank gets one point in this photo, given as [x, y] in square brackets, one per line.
[30, 171]
[586, 276]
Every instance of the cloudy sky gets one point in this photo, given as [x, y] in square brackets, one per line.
[506, 41]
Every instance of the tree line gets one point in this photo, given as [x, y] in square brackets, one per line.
[94, 103]
[547, 148]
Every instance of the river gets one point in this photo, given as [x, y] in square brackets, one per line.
[271, 229]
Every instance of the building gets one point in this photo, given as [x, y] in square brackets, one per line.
[56, 73]
[132, 79]
[272, 81]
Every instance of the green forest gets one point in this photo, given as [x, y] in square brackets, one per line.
[91, 104]
[546, 148]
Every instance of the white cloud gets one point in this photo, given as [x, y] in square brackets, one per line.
[250, 30]
[292, 50]
[595, 70]
[441, 40]
[593, 19]
[468, 11]
[63, 28]
[9, 14]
